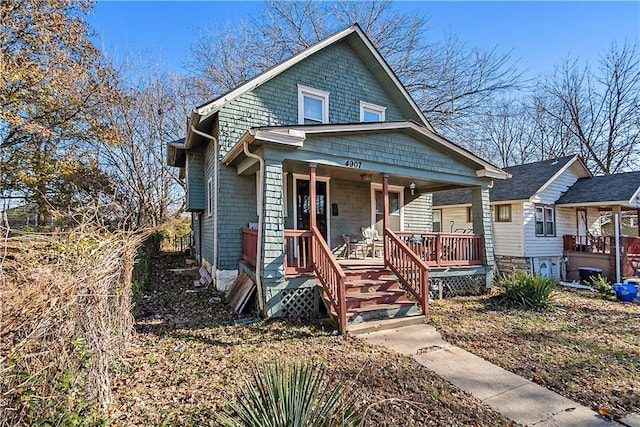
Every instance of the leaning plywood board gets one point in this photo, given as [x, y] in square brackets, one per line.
[240, 292]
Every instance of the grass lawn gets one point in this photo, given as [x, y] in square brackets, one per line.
[185, 361]
[584, 348]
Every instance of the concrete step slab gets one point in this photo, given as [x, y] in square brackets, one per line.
[385, 324]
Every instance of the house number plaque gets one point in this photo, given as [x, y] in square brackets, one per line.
[353, 164]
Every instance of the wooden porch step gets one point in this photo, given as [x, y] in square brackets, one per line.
[370, 285]
[377, 298]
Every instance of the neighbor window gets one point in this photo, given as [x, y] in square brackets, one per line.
[469, 215]
[313, 106]
[371, 112]
[437, 220]
[209, 197]
[545, 221]
[503, 213]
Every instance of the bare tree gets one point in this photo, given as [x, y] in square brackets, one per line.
[508, 135]
[450, 81]
[599, 108]
[147, 116]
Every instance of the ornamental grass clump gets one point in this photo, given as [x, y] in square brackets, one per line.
[525, 290]
[292, 396]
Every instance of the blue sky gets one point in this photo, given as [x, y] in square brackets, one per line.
[540, 34]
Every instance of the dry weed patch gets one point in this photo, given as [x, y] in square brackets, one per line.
[65, 321]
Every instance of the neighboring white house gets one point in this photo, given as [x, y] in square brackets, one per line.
[528, 227]
[547, 212]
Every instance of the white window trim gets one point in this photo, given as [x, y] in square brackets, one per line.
[209, 196]
[392, 189]
[296, 177]
[373, 108]
[313, 93]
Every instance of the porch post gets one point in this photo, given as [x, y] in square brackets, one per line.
[483, 224]
[385, 202]
[638, 220]
[312, 195]
[385, 213]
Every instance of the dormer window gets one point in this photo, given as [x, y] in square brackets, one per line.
[313, 106]
[371, 112]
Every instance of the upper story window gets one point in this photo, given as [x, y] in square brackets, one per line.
[313, 106]
[371, 112]
[545, 221]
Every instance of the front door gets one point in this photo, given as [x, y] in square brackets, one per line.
[303, 206]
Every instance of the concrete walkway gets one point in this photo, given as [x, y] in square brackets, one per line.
[514, 397]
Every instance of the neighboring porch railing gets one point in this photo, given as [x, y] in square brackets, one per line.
[250, 245]
[330, 276]
[445, 249]
[297, 247]
[593, 244]
[411, 271]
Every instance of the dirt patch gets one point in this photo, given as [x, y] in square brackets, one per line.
[187, 358]
[582, 347]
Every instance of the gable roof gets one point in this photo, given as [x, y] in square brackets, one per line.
[526, 181]
[619, 187]
[354, 34]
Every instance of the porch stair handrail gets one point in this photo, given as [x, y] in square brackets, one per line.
[411, 271]
[330, 276]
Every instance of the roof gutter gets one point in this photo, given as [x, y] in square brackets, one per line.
[245, 147]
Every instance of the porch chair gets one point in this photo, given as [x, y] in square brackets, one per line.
[372, 240]
[352, 242]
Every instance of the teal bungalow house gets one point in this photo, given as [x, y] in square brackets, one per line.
[285, 172]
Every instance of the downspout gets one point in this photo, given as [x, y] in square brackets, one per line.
[251, 155]
[214, 267]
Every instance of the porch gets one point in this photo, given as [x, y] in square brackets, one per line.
[600, 252]
[410, 268]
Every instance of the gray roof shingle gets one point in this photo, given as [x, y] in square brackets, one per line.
[526, 181]
[605, 188]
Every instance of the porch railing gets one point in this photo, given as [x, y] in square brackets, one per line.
[410, 269]
[180, 243]
[330, 276]
[297, 247]
[249, 245]
[445, 249]
[593, 244]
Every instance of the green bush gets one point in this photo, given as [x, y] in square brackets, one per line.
[292, 396]
[525, 290]
[602, 285]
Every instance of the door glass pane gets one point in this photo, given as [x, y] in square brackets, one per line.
[394, 203]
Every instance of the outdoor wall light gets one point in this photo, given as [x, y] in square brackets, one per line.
[412, 187]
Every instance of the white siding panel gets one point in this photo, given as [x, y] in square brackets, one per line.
[508, 240]
[553, 192]
[537, 246]
[508, 235]
[457, 214]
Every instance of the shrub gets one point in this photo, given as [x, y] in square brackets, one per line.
[602, 285]
[525, 290]
[291, 396]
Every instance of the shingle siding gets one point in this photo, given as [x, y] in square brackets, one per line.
[336, 69]
[418, 214]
